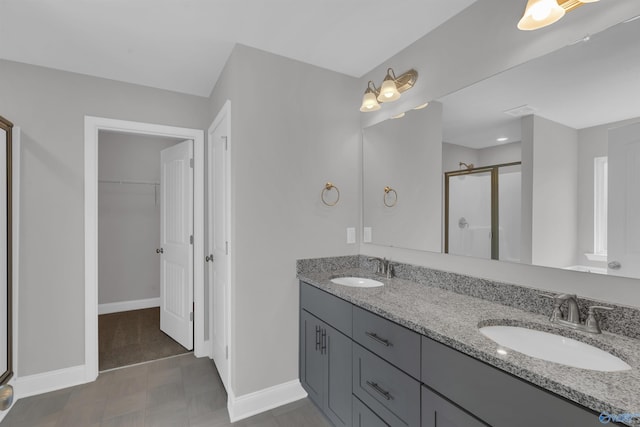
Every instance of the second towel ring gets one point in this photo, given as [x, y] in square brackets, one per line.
[328, 187]
[388, 190]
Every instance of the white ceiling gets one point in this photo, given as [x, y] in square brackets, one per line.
[583, 85]
[182, 45]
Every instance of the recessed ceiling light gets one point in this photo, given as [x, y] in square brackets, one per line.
[502, 139]
[421, 106]
[398, 116]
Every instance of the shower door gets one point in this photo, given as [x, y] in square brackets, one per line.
[482, 212]
[468, 217]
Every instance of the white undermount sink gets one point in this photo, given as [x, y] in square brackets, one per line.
[553, 348]
[357, 282]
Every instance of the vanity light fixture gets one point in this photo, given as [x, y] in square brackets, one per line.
[540, 13]
[390, 90]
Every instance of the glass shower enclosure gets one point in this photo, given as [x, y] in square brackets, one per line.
[483, 212]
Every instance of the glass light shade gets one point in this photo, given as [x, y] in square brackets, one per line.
[369, 102]
[389, 90]
[539, 14]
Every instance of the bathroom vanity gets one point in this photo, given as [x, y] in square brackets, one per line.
[409, 354]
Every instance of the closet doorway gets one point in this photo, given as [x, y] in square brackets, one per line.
[143, 242]
[130, 253]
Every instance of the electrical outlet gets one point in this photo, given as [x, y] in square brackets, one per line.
[351, 235]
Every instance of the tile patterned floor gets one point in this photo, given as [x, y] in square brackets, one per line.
[181, 391]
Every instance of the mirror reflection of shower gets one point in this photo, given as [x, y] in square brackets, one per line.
[483, 211]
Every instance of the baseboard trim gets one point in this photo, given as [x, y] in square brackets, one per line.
[116, 307]
[49, 381]
[247, 405]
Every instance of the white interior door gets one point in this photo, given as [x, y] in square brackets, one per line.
[218, 242]
[623, 228]
[176, 243]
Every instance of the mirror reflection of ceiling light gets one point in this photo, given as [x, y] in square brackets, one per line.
[502, 139]
[421, 106]
[390, 90]
[540, 13]
[398, 116]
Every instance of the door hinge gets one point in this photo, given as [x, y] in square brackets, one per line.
[226, 143]
[226, 248]
[191, 239]
[226, 352]
[191, 316]
[191, 163]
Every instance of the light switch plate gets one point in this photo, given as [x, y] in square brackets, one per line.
[351, 235]
[367, 235]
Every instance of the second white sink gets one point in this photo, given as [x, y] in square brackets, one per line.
[357, 282]
[553, 348]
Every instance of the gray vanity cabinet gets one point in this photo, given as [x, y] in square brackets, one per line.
[365, 417]
[438, 412]
[325, 356]
[497, 398]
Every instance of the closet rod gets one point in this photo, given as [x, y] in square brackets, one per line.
[106, 181]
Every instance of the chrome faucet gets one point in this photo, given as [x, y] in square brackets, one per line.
[572, 318]
[384, 268]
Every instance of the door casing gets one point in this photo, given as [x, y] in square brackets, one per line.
[92, 125]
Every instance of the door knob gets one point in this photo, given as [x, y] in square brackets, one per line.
[614, 265]
[208, 258]
[160, 251]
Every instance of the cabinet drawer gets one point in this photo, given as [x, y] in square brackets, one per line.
[388, 391]
[365, 417]
[331, 309]
[394, 343]
[494, 396]
[438, 412]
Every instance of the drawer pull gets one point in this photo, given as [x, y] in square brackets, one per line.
[382, 392]
[323, 349]
[377, 339]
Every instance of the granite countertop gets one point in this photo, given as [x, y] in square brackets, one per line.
[453, 319]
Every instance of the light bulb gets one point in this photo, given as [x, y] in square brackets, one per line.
[540, 11]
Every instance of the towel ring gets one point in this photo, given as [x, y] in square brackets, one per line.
[388, 190]
[328, 187]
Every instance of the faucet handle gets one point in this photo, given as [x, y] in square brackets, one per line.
[592, 324]
[556, 314]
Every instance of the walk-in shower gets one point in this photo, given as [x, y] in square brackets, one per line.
[483, 212]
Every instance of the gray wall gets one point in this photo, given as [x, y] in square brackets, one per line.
[50, 106]
[554, 225]
[287, 141]
[129, 216]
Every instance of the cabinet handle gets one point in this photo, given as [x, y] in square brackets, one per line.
[382, 392]
[323, 349]
[377, 339]
[317, 337]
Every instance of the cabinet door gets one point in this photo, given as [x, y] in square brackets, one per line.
[337, 350]
[312, 362]
[365, 417]
[437, 412]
